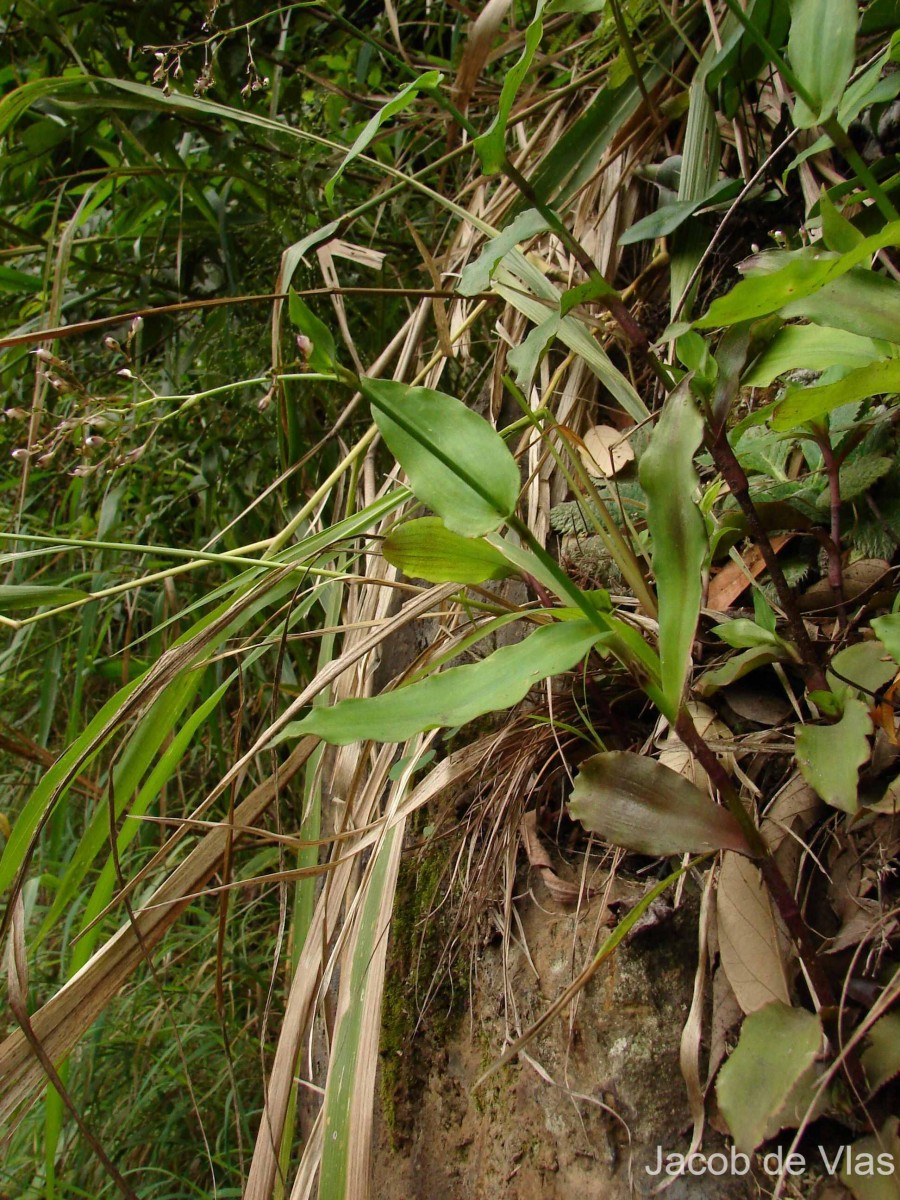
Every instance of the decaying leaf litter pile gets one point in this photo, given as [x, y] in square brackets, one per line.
[628, 507]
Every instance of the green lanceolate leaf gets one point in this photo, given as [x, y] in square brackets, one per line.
[837, 232]
[426, 82]
[14, 596]
[594, 288]
[747, 635]
[812, 403]
[811, 348]
[768, 1082]
[476, 275]
[322, 355]
[736, 667]
[677, 532]
[771, 290]
[829, 756]
[457, 695]
[525, 357]
[635, 802]
[456, 463]
[821, 48]
[427, 549]
[491, 145]
[859, 302]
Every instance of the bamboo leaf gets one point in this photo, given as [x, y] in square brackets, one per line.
[633, 801]
[63, 1019]
[349, 1090]
[427, 82]
[669, 217]
[455, 696]
[491, 145]
[700, 166]
[427, 549]
[457, 464]
[678, 534]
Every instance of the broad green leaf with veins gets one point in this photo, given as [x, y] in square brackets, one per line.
[455, 696]
[678, 534]
[456, 463]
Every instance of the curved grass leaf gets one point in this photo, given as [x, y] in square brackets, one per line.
[427, 82]
[15, 596]
[427, 549]
[678, 534]
[525, 357]
[635, 802]
[456, 463]
[767, 1083]
[457, 695]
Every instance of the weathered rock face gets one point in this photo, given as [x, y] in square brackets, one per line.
[544, 1129]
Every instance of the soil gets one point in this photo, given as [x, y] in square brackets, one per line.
[584, 1114]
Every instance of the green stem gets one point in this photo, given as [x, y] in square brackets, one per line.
[602, 520]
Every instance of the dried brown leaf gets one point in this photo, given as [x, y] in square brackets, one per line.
[605, 450]
[563, 891]
[734, 578]
[751, 942]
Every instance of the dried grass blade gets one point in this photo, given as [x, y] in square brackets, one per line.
[453, 771]
[349, 1094]
[67, 1016]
